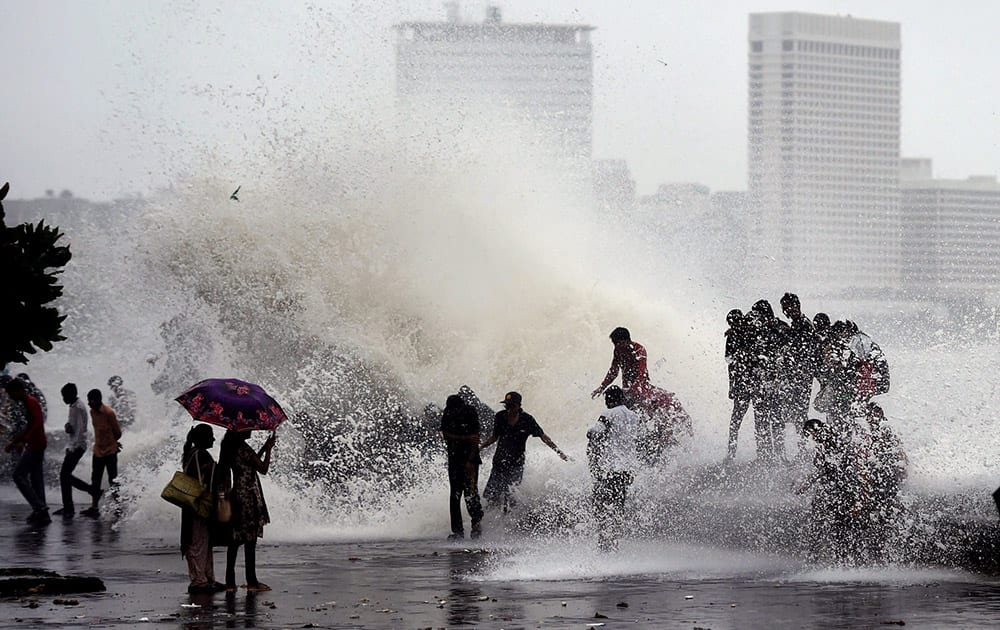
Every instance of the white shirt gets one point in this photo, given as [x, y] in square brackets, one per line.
[79, 418]
[620, 431]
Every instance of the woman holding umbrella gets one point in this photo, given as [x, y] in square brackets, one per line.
[240, 407]
[249, 509]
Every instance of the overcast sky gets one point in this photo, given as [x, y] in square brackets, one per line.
[110, 98]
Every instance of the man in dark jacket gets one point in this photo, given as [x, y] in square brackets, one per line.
[460, 428]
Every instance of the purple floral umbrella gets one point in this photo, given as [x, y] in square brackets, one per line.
[233, 404]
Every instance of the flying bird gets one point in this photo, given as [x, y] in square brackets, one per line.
[233, 196]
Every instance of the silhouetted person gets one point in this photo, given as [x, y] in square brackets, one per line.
[769, 337]
[107, 432]
[840, 523]
[250, 513]
[34, 392]
[612, 452]
[887, 465]
[196, 532]
[799, 363]
[123, 401]
[30, 443]
[460, 429]
[511, 429]
[629, 358]
[76, 427]
[739, 356]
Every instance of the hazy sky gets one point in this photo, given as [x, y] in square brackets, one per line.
[108, 98]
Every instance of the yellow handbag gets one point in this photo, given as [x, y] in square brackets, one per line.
[189, 493]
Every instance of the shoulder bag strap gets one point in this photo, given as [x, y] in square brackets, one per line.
[197, 465]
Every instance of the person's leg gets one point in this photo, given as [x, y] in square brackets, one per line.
[250, 557]
[472, 502]
[740, 407]
[96, 475]
[231, 551]
[38, 479]
[197, 554]
[601, 499]
[66, 479]
[777, 407]
[456, 485]
[22, 479]
[112, 466]
[762, 430]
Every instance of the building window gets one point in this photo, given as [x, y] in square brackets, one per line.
[787, 45]
[756, 47]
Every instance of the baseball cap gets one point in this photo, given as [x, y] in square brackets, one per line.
[511, 397]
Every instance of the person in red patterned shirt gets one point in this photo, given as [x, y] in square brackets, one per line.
[31, 443]
[630, 359]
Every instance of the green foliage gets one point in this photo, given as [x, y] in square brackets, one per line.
[31, 260]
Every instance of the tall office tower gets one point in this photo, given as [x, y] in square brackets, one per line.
[538, 74]
[824, 152]
[951, 234]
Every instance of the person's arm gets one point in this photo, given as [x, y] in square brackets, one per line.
[608, 378]
[496, 431]
[263, 463]
[552, 445]
[116, 428]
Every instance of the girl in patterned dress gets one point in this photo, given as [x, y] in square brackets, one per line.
[249, 509]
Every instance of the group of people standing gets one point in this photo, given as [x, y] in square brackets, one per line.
[25, 414]
[858, 460]
[236, 479]
[773, 364]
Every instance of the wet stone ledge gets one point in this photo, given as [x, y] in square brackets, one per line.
[18, 582]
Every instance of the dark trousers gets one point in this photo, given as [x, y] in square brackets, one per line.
[67, 481]
[769, 428]
[108, 462]
[740, 407]
[610, 495]
[28, 478]
[796, 403]
[462, 482]
[249, 559]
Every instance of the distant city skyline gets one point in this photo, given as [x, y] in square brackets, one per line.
[115, 98]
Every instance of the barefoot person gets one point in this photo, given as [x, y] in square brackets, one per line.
[249, 509]
[511, 430]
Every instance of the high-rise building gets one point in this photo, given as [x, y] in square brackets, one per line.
[541, 74]
[951, 233]
[824, 152]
